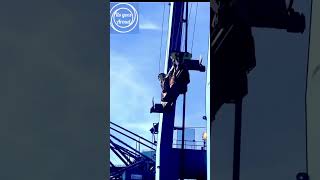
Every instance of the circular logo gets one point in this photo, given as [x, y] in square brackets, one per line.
[123, 17]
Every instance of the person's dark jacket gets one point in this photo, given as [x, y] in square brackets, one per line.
[179, 79]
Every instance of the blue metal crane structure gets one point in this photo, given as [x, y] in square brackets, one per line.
[133, 162]
[173, 163]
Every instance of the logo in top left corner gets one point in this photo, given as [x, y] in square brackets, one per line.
[124, 18]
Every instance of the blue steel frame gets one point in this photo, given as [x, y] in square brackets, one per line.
[165, 165]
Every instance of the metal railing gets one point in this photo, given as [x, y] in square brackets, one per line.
[132, 136]
[191, 144]
[124, 150]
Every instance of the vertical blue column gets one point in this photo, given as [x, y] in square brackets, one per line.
[166, 166]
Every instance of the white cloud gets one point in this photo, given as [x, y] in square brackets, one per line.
[145, 25]
[130, 95]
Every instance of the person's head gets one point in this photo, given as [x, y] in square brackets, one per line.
[176, 59]
[161, 76]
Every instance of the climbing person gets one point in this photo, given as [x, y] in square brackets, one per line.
[177, 79]
[174, 83]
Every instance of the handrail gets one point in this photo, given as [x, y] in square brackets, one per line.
[131, 147]
[195, 145]
[187, 140]
[132, 138]
[132, 133]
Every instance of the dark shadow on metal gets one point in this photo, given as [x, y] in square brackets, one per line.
[237, 139]
[233, 50]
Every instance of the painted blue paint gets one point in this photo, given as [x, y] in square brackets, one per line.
[168, 160]
[166, 169]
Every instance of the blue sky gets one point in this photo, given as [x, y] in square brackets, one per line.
[135, 64]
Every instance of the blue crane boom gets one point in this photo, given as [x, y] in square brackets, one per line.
[166, 123]
[171, 163]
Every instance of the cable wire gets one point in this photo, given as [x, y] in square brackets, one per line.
[180, 22]
[164, 7]
[194, 27]
[306, 90]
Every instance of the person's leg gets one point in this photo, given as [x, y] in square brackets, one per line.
[171, 95]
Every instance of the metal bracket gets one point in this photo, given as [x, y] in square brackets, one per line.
[194, 65]
[188, 62]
